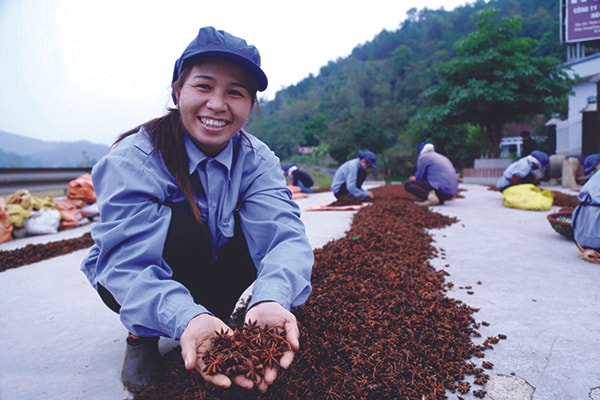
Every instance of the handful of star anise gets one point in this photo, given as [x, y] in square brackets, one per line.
[248, 351]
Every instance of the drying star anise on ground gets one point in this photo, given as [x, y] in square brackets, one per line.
[248, 351]
[378, 325]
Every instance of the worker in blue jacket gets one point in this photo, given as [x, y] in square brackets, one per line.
[585, 220]
[591, 164]
[194, 212]
[350, 176]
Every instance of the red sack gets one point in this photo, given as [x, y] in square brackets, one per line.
[71, 215]
[82, 188]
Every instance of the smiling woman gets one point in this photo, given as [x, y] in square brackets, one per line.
[198, 211]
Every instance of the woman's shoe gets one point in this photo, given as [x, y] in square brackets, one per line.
[143, 363]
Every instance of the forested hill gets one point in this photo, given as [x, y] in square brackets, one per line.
[17, 151]
[368, 99]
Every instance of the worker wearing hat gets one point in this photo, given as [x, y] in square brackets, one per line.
[194, 213]
[585, 219]
[350, 176]
[528, 169]
[591, 164]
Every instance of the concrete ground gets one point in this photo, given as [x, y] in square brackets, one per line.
[60, 342]
[533, 288]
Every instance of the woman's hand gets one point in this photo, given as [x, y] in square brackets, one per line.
[196, 341]
[273, 315]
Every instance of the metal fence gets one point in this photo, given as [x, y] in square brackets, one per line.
[38, 180]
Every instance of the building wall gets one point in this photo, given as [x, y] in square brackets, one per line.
[568, 137]
[569, 131]
[579, 100]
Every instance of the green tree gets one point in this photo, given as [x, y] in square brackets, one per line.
[495, 80]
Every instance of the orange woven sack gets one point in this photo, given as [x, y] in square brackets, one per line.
[82, 188]
[71, 215]
[6, 227]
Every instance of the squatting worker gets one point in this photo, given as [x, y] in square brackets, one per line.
[299, 177]
[586, 220]
[350, 176]
[591, 164]
[193, 211]
[435, 180]
[528, 169]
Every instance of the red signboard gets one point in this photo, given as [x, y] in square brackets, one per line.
[582, 20]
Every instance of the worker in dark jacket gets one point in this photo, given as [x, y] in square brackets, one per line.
[298, 177]
[529, 144]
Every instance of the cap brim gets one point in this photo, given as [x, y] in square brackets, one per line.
[255, 72]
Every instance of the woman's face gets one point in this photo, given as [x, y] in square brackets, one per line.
[214, 102]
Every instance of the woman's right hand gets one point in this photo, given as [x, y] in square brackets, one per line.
[196, 341]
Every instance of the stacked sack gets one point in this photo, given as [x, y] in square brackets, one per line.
[79, 204]
[6, 228]
[23, 214]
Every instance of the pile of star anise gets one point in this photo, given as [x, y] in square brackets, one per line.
[248, 351]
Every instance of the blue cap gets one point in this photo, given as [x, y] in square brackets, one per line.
[213, 43]
[541, 157]
[369, 156]
[590, 162]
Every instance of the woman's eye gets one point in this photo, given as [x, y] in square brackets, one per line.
[235, 93]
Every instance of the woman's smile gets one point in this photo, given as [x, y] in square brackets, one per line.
[212, 123]
[214, 103]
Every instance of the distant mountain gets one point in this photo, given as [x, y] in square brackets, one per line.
[17, 151]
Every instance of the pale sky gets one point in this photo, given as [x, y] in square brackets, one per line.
[90, 70]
